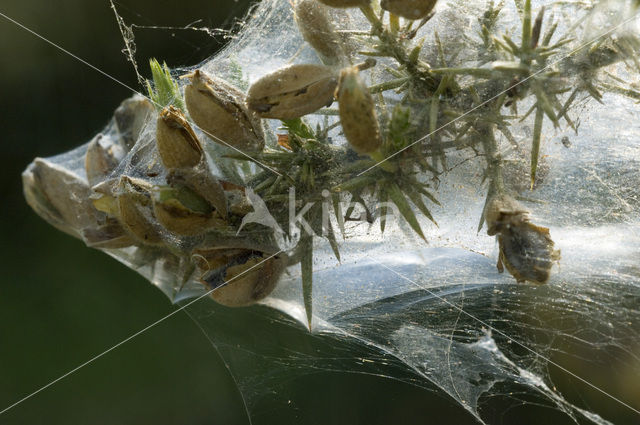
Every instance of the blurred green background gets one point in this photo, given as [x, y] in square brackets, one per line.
[61, 303]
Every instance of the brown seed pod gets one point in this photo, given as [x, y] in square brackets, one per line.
[357, 112]
[316, 29]
[130, 119]
[136, 211]
[177, 143]
[526, 250]
[409, 9]
[293, 92]
[182, 211]
[345, 3]
[101, 159]
[243, 278]
[218, 109]
[59, 196]
[201, 181]
[110, 235]
[502, 211]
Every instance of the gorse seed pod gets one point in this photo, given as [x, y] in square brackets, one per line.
[409, 9]
[101, 159]
[110, 235]
[526, 250]
[130, 118]
[345, 3]
[136, 211]
[200, 180]
[293, 92]
[218, 109]
[184, 212]
[316, 29]
[501, 211]
[59, 196]
[244, 278]
[177, 143]
[357, 112]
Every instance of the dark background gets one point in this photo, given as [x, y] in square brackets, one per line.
[62, 303]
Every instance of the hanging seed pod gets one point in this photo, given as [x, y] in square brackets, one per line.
[130, 119]
[409, 9]
[526, 250]
[136, 211]
[292, 92]
[182, 211]
[316, 29]
[345, 3]
[177, 143]
[59, 196]
[201, 181]
[244, 278]
[357, 112]
[218, 109]
[110, 235]
[101, 159]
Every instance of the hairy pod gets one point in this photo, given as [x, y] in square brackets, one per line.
[177, 143]
[130, 118]
[526, 250]
[59, 196]
[243, 278]
[345, 3]
[502, 211]
[110, 235]
[182, 211]
[357, 112]
[292, 92]
[136, 211]
[218, 109]
[316, 29]
[409, 9]
[101, 159]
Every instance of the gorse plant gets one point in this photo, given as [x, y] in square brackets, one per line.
[403, 104]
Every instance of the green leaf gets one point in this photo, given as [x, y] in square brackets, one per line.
[383, 197]
[401, 202]
[416, 198]
[337, 210]
[165, 91]
[535, 145]
[331, 237]
[526, 26]
[306, 266]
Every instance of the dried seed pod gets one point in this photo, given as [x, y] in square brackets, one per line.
[59, 196]
[201, 181]
[526, 250]
[177, 143]
[218, 109]
[110, 235]
[136, 211]
[345, 3]
[409, 9]
[501, 211]
[101, 159]
[357, 112]
[244, 278]
[293, 92]
[184, 212]
[130, 119]
[316, 29]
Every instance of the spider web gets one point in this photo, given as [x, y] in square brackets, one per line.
[438, 316]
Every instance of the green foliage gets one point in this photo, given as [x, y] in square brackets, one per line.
[165, 91]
